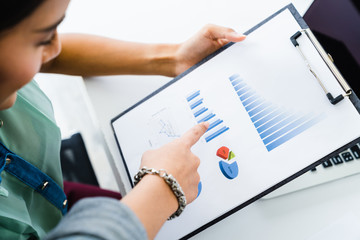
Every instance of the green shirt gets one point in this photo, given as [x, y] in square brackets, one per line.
[30, 131]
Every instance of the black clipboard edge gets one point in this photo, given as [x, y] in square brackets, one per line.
[293, 11]
[276, 186]
[290, 7]
[354, 99]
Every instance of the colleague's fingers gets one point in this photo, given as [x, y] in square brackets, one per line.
[193, 135]
[218, 32]
[235, 37]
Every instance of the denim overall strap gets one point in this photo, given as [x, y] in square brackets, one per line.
[33, 177]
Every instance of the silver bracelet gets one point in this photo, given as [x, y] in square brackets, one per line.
[171, 181]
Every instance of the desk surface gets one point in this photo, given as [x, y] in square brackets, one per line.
[298, 215]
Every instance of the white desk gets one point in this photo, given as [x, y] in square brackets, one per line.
[294, 216]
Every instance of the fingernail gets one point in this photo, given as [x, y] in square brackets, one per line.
[238, 35]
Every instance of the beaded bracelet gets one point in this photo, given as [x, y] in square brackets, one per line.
[171, 181]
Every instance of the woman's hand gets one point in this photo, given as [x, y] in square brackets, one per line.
[209, 39]
[178, 160]
[151, 199]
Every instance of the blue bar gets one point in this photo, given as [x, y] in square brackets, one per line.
[267, 118]
[200, 112]
[197, 103]
[259, 109]
[235, 76]
[286, 129]
[214, 124]
[273, 122]
[292, 134]
[194, 95]
[278, 126]
[254, 104]
[262, 114]
[237, 81]
[246, 95]
[215, 134]
[243, 90]
[250, 100]
[239, 86]
[208, 117]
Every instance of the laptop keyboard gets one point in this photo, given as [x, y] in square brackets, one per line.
[345, 164]
[347, 156]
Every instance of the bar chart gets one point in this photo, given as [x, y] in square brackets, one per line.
[202, 113]
[274, 124]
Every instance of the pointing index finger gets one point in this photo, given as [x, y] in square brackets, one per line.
[194, 134]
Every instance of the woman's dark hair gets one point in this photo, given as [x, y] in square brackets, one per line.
[13, 12]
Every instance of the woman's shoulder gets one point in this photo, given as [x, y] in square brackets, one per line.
[29, 128]
[32, 95]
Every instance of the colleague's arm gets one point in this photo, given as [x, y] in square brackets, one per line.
[88, 55]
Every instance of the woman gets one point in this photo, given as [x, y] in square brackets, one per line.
[31, 198]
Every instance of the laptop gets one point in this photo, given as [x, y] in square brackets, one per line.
[336, 25]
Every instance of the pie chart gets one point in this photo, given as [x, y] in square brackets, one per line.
[228, 166]
[230, 171]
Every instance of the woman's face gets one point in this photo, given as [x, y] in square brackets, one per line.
[26, 46]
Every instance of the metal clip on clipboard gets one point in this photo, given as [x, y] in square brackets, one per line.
[328, 62]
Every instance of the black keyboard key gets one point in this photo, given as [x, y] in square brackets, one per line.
[356, 151]
[347, 156]
[337, 160]
[327, 163]
[313, 170]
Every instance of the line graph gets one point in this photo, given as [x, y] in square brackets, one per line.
[162, 128]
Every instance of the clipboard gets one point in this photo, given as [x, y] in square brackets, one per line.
[194, 101]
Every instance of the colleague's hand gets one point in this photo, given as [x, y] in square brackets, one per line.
[209, 39]
[178, 160]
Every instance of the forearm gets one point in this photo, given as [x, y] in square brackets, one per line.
[153, 202]
[88, 55]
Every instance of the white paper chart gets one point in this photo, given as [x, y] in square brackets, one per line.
[269, 119]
